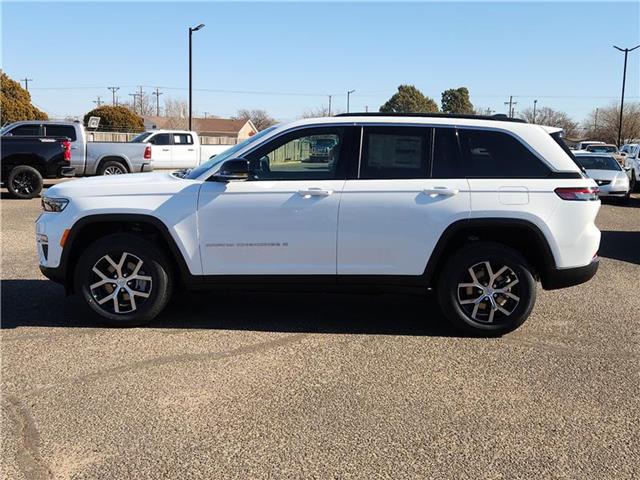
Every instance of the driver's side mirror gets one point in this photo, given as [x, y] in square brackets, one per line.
[234, 169]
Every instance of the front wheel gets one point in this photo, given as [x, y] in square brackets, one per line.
[124, 278]
[24, 182]
[486, 289]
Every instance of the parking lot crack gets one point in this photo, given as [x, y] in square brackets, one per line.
[181, 358]
[28, 446]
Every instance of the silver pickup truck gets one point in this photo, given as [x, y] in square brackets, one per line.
[88, 158]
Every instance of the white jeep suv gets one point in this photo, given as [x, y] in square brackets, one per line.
[476, 208]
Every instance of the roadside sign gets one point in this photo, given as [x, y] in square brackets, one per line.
[93, 122]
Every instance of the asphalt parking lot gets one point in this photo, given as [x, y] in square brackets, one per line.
[320, 386]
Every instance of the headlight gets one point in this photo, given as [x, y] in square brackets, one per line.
[54, 204]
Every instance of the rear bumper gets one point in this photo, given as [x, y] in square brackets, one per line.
[146, 167]
[568, 277]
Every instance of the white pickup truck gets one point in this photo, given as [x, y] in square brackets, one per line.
[88, 158]
[171, 149]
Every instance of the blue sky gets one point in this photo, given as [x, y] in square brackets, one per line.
[297, 53]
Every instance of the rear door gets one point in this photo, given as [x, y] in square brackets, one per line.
[161, 151]
[77, 150]
[408, 189]
[183, 151]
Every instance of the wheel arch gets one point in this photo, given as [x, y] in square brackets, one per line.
[519, 234]
[88, 229]
[114, 158]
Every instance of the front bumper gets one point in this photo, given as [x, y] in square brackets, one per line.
[568, 277]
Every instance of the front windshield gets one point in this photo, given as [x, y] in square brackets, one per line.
[141, 138]
[227, 154]
[601, 162]
[602, 148]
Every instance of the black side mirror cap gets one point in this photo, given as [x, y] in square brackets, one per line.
[234, 169]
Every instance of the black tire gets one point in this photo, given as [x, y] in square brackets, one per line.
[24, 182]
[456, 272]
[113, 167]
[634, 185]
[154, 266]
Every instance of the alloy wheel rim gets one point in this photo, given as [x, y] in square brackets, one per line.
[121, 287]
[24, 183]
[113, 170]
[489, 295]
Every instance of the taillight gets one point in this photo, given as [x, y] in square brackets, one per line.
[147, 152]
[66, 144]
[578, 193]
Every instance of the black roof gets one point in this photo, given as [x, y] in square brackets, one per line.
[499, 117]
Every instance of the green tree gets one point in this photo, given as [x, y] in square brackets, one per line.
[456, 100]
[116, 119]
[15, 103]
[408, 99]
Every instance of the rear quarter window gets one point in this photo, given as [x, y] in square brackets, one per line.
[493, 154]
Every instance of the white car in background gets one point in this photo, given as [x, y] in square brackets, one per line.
[612, 179]
[632, 163]
[171, 149]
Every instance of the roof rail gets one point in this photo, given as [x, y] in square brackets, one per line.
[499, 116]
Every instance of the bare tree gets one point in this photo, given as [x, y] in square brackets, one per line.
[142, 104]
[176, 112]
[260, 118]
[552, 118]
[605, 126]
[322, 111]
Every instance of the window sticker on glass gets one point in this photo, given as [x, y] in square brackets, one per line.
[399, 151]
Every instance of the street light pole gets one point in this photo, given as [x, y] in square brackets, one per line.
[624, 79]
[535, 104]
[191, 30]
[349, 92]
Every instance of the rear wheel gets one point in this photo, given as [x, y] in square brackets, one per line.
[486, 289]
[124, 278]
[24, 182]
[112, 167]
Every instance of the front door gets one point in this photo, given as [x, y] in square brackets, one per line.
[161, 151]
[409, 188]
[283, 220]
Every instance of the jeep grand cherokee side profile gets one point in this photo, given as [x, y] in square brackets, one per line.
[476, 208]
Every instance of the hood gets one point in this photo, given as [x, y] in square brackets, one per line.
[154, 183]
[604, 174]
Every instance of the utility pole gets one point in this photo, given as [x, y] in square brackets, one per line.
[191, 30]
[366, 108]
[113, 94]
[330, 104]
[134, 95]
[157, 93]
[511, 104]
[535, 103]
[26, 82]
[595, 123]
[349, 92]
[624, 79]
[98, 102]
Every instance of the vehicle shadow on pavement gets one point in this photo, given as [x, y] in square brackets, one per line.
[620, 246]
[41, 303]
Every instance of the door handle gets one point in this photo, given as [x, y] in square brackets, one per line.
[74, 148]
[445, 191]
[191, 150]
[315, 192]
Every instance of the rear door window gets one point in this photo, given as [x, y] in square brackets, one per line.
[60, 131]
[493, 154]
[395, 153]
[161, 139]
[446, 155]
